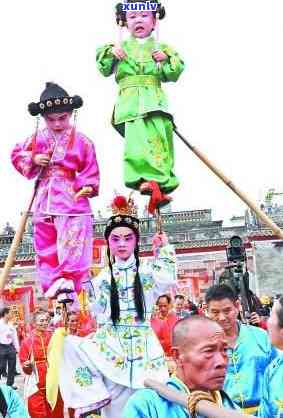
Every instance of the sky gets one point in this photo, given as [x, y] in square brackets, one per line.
[228, 102]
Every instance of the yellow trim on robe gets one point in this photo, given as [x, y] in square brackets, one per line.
[139, 81]
[251, 410]
[55, 352]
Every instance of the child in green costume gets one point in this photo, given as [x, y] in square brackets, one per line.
[141, 115]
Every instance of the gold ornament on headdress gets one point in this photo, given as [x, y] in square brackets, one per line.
[265, 300]
[122, 206]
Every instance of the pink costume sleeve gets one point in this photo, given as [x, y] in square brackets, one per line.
[88, 173]
[22, 159]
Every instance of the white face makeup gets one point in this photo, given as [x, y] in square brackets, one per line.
[58, 122]
[122, 243]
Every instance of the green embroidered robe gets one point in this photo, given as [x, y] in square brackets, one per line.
[141, 112]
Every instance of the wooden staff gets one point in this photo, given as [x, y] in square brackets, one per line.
[205, 408]
[158, 221]
[65, 315]
[260, 214]
[16, 241]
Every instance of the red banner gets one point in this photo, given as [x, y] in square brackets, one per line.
[18, 296]
[98, 251]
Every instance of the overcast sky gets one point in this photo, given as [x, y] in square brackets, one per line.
[228, 102]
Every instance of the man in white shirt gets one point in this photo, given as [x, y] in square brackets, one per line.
[9, 346]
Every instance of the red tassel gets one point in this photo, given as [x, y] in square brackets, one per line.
[33, 145]
[120, 202]
[72, 138]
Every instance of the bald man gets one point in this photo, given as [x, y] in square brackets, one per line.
[199, 349]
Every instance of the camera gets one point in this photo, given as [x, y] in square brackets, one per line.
[236, 276]
[236, 251]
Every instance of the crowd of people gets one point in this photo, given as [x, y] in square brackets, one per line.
[207, 348]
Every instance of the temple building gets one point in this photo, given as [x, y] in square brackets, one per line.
[200, 243]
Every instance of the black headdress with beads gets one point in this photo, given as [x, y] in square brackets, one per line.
[124, 215]
[54, 99]
[121, 13]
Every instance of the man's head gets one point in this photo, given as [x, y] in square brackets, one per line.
[190, 305]
[5, 314]
[199, 349]
[275, 324]
[164, 304]
[58, 310]
[40, 320]
[179, 303]
[223, 306]
[73, 322]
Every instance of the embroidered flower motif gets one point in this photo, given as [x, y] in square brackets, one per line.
[119, 362]
[279, 405]
[158, 151]
[72, 241]
[83, 377]
[147, 281]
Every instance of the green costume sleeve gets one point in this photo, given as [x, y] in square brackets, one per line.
[173, 67]
[106, 60]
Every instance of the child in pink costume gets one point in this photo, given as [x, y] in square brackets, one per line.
[65, 163]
